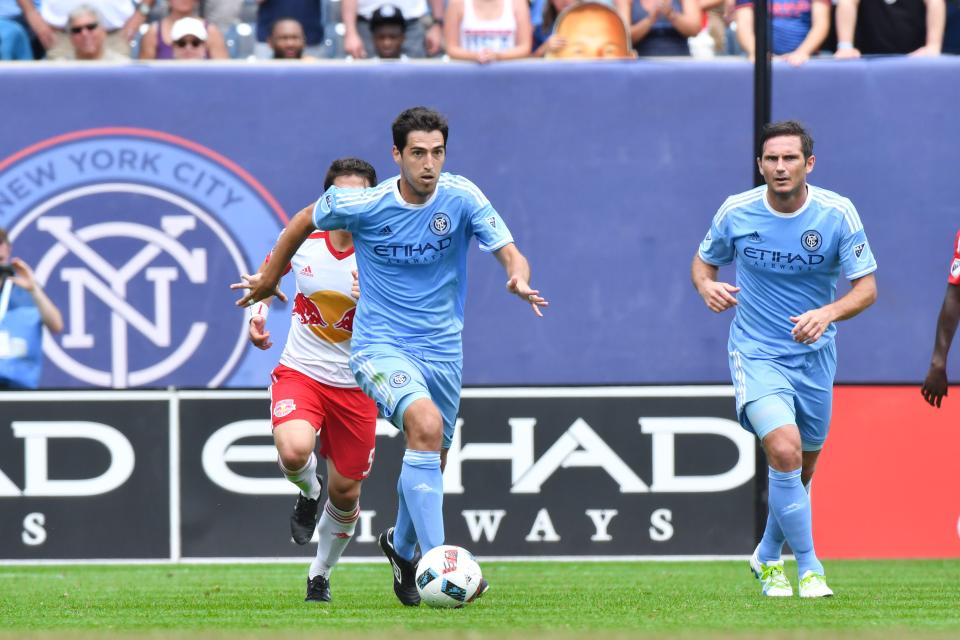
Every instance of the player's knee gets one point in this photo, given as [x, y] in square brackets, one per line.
[783, 451]
[783, 456]
[423, 425]
[293, 456]
[345, 495]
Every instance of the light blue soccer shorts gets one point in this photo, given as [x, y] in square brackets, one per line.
[394, 378]
[803, 382]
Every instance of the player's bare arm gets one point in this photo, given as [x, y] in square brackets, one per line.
[718, 296]
[935, 385]
[518, 277]
[263, 284]
[809, 326]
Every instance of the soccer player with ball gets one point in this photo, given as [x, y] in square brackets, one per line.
[790, 241]
[411, 234]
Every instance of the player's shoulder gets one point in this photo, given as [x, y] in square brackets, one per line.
[369, 196]
[831, 203]
[739, 202]
[458, 186]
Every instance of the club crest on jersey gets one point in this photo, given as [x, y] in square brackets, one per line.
[440, 224]
[399, 379]
[811, 240]
[283, 408]
[858, 250]
[955, 268]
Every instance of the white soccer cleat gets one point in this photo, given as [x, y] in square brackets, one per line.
[814, 585]
[773, 580]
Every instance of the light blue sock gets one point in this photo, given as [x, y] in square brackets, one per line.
[771, 544]
[404, 535]
[422, 484]
[790, 505]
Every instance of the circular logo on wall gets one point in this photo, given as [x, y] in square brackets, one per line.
[135, 235]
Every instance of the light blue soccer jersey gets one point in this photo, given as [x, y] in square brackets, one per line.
[412, 260]
[787, 264]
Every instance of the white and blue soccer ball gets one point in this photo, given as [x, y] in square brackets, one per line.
[448, 577]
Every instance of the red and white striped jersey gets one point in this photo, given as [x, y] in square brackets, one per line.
[954, 277]
[321, 322]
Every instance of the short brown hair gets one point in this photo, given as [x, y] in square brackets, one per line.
[418, 119]
[350, 167]
[786, 128]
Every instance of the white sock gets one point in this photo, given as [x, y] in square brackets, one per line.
[335, 530]
[305, 478]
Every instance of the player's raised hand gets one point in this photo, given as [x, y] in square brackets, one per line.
[520, 288]
[719, 296]
[355, 286]
[259, 289]
[809, 326]
[259, 334]
[935, 386]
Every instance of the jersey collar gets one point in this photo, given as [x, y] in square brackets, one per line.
[803, 207]
[403, 203]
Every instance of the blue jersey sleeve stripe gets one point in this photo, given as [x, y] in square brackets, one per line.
[710, 261]
[739, 200]
[844, 206]
[497, 246]
[354, 199]
[462, 184]
[862, 272]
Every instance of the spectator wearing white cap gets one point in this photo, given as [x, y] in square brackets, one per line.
[189, 37]
[120, 20]
[157, 42]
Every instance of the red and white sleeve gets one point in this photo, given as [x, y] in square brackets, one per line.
[955, 264]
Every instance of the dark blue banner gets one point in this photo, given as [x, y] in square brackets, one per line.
[139, 193]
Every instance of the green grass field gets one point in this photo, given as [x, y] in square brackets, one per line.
[576, 600]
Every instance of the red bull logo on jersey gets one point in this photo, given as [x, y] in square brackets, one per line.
[283, 408]
[328, 314]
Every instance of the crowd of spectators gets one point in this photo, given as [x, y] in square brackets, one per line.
[481, 31]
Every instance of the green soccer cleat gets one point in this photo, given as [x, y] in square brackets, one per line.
[772, 579]
[814, 585]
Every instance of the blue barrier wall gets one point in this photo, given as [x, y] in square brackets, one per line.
[608, 175]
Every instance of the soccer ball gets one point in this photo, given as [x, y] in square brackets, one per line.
[448, 577]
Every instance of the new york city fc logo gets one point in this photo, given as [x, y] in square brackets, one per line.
[135, 234]
[440, 224]
[811, 240]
